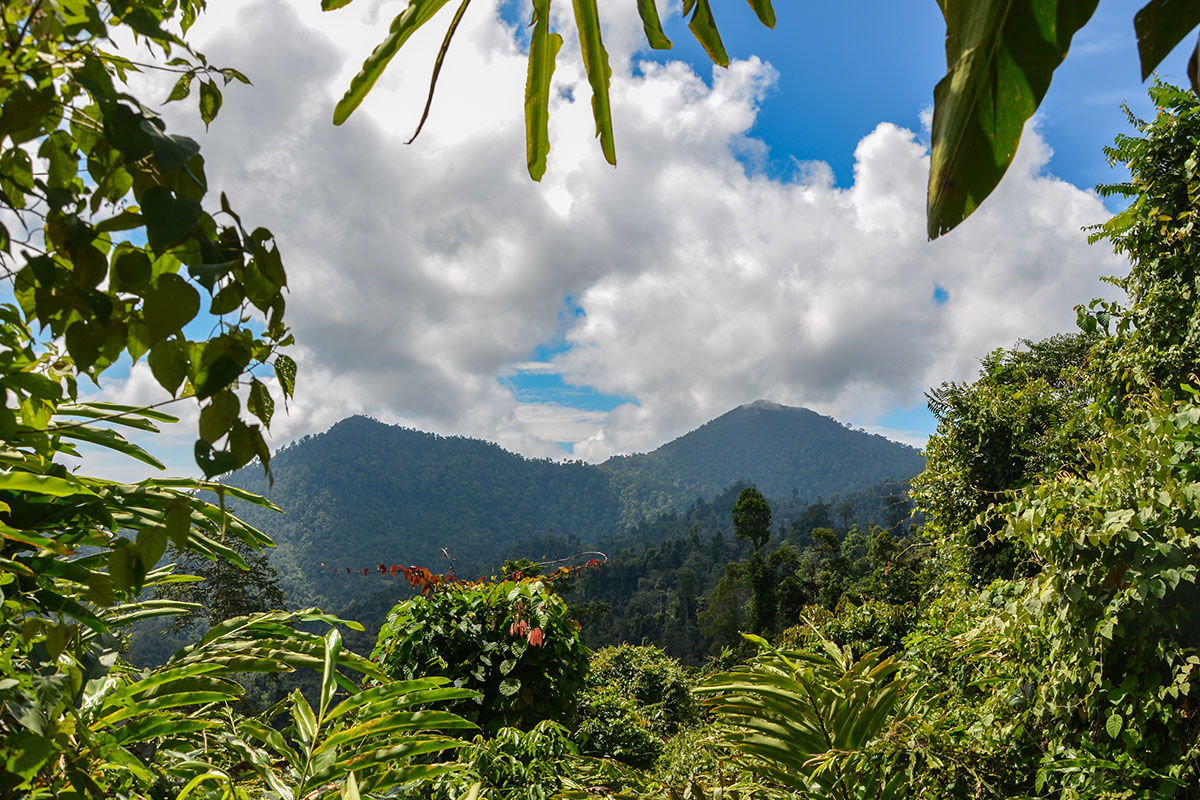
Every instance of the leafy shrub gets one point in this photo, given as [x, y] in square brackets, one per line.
[511, 642]
[636, 698]
[862, 628]
[652, 680]
[612, 728]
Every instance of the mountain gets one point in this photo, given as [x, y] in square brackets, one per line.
[365, 493]
[777, 448]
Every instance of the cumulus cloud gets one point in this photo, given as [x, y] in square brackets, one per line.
[422, 277]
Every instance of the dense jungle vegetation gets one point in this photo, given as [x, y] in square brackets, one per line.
[1037, 640]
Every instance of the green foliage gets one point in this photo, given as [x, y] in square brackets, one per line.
[752, 517]
[779, 449]
[86, 170]
[1000, 58]
[223, 590]
[1114, 601]
[511, 642]
[873, 625]
[1155, 337]
[636, 698]
[807, 721]
[543, 49]
[1022, 419]
[94, 728]
[512, 764]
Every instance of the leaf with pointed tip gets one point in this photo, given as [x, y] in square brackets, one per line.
[1000, 58]
[652, 25]
[437, 66]
[543, 49]
[110, 439]
[764, 11]
[403, 26]
[704, 28]
[595, 64]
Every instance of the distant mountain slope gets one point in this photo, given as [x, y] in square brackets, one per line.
[365, 493]
[777, 448]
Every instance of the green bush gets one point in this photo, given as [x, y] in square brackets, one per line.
[637, 697]
[511, 641]
[862, 628]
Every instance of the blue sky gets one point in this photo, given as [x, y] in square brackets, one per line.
[761, 237]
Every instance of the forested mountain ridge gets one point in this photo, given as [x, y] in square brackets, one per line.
[365, 493]
[777, 448]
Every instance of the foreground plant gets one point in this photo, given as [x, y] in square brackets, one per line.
[806, 721]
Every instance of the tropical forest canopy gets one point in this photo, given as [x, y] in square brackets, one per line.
[1030, 634]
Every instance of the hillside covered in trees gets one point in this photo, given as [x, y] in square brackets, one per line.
[777, 448]
[365, 493]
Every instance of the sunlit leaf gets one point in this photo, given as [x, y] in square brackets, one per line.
[595, 63]
[403, 26]
[543, 48]
[1000, 57]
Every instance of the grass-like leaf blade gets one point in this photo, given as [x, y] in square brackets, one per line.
[764, 10]
[652, 25]
[543, 49]
[595, 63]
[704, 28]
[406, 23]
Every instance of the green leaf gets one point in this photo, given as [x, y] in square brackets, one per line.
[350, 788]
[1113, 725]
[333, 646]
[84, 341]
[764, 10]
[1000, 57]
[403, 26]
[704, 28]
[210, 102]
[285, 371]
[652, 25]
[595, 63]
[260, 403]
[214, 462]
[302, 713]
[151, 544]
[168, 364]
[169, 305]
[126, 568]
[217, 417]
[110, 439]
[168, 219]
[41, 484]
[437, 65]
[223, 371]
[509, 687]
[543, 49]
[178, 518]
[333, 5]
[1160, 26]
[183, 87]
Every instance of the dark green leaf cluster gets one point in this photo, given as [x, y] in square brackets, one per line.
[510, 642]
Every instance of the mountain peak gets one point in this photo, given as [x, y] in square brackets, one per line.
[765, 405]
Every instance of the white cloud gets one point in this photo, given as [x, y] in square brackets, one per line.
[421, 275]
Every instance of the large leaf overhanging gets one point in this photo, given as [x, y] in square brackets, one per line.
[1000, 57]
